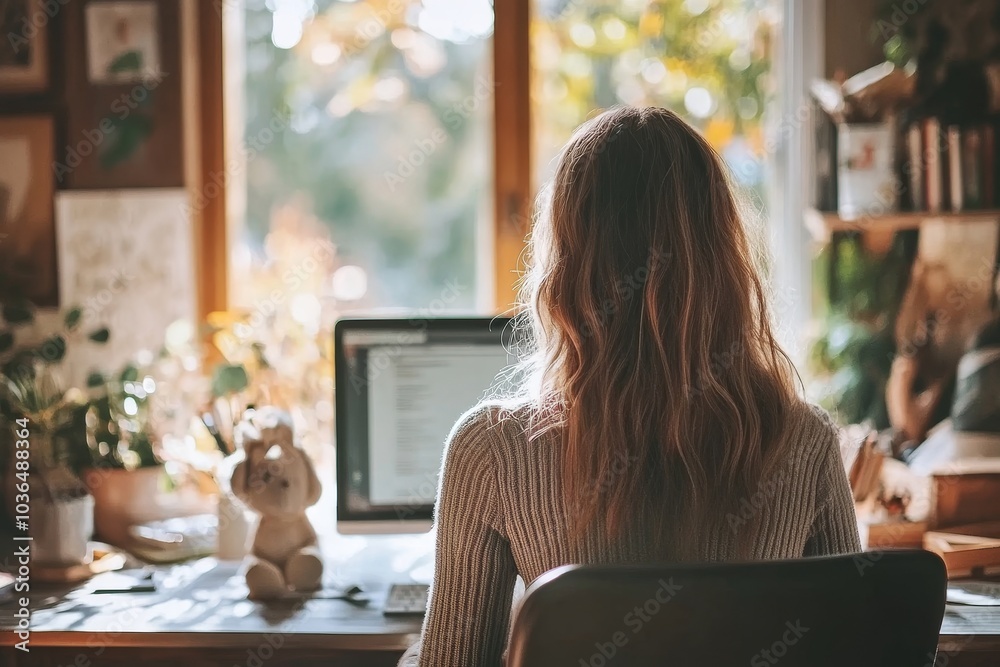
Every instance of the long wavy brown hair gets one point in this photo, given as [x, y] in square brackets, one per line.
[655, 359]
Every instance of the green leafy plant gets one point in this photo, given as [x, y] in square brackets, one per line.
[30, 388]
[117, 422]
[852, 356]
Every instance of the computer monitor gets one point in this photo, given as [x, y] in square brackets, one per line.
[401, 384]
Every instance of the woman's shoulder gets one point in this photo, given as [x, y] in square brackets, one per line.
[811, 431]
[500, 422]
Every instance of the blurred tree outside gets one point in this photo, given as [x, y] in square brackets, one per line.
[373, 118]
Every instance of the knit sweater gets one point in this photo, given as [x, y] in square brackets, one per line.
[500, 513]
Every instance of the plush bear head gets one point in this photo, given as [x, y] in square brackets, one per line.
[275, 477]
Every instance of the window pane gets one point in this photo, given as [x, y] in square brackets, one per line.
[707, 60]
[367, 133]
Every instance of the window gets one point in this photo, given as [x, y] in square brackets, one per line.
[708, 60]
[366, 131]
[367, 128]
[388, 151]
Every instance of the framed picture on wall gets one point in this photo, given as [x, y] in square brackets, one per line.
[123, 44]
[27, 223]
[24, 62]
[124, 126]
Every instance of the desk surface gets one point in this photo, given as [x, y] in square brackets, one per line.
[203, 603]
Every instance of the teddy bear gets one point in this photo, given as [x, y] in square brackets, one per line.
[276, 479]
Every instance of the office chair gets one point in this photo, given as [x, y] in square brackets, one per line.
[879, 608]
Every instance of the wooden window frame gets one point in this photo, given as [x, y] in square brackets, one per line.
[511, 148]
[211, 234]
[512, 141]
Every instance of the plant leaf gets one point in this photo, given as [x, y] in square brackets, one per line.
[100, 336]
[130, 373]
[18, 312]
[129, 61]
[72, 318]
[229, 379]
[52, 350]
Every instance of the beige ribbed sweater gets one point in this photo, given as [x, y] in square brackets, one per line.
[500, 514]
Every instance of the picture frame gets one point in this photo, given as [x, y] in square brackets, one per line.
[122, 42]
[119, 251]
[24, 48]
[124, 115]
[27, 218]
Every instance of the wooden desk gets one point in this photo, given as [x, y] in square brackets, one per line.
[200, 618]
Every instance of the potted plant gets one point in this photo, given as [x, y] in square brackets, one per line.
[37, 452]
[128, 477]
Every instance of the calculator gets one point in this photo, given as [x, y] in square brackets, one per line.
[407, 600]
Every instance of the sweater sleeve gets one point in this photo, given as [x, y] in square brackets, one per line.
[835, 526]
[469, 608]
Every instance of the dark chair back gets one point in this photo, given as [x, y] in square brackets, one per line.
[879, 608]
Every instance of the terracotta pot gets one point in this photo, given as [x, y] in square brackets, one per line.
[124, 498]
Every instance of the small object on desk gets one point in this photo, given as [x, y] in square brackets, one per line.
[976, 593]
[967, 551]
[176, 539]
[349, 594]
[276, 479]
[209, 421]
[406, 599]
[864, 474]
[129, 581]
[105, 559]
[896, 534]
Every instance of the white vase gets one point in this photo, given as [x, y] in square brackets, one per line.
[235, 528]
[61, 530]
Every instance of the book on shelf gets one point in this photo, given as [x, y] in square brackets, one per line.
[954, 162]
[934, 144]
[989, 166]
[915, 166]
[951, 167]
[972, 168]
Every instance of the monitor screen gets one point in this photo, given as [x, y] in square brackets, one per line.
[401, 385]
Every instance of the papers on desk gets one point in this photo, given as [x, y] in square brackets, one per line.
[174, 540]
[976, 593]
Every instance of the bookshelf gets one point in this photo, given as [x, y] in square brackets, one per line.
[822, 223]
